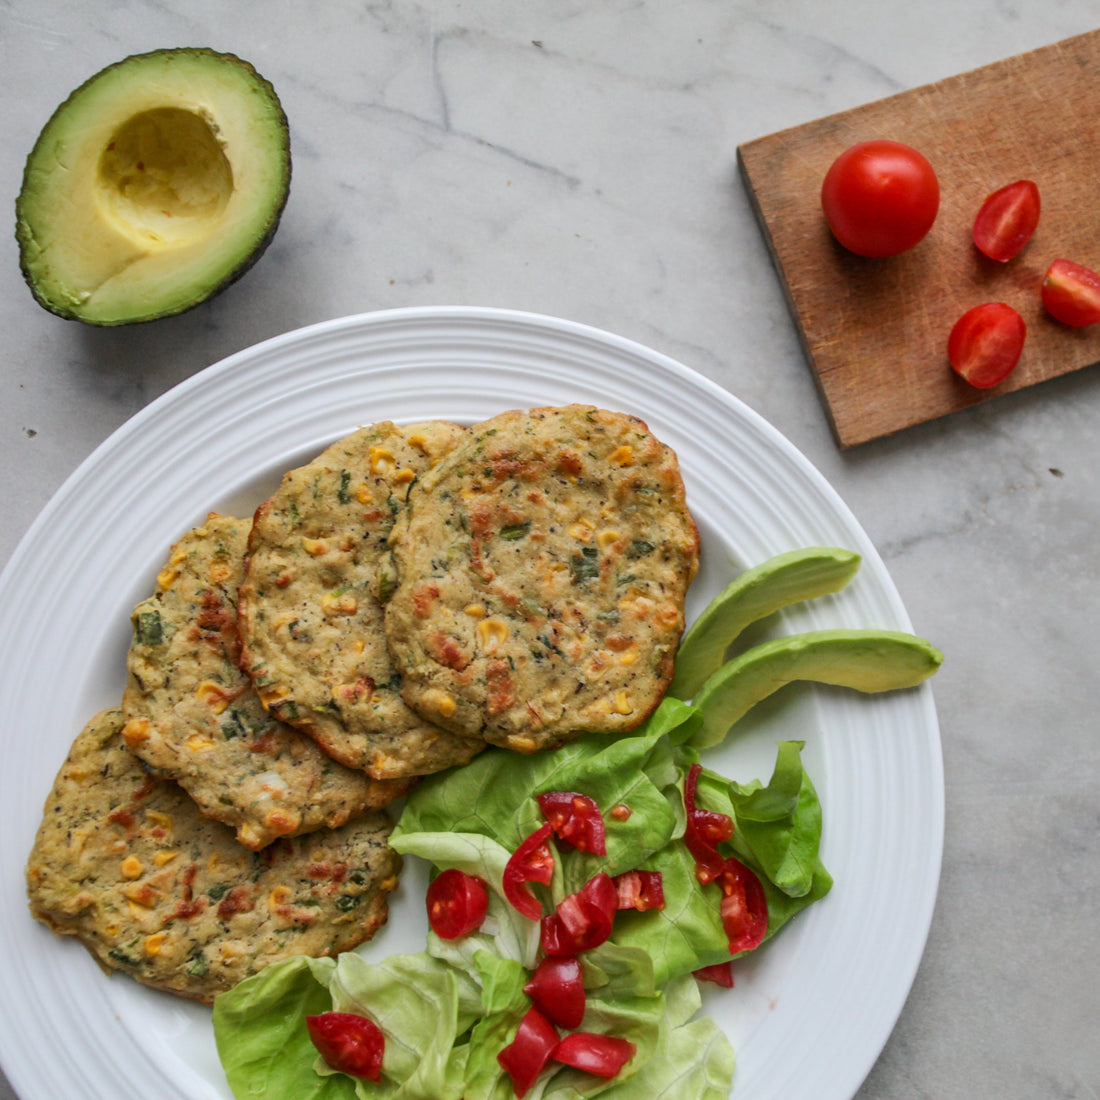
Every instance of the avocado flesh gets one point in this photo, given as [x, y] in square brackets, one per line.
[864, 660]
[154, 185]
[753, 595]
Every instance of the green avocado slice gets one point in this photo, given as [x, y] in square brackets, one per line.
[866, 660]
[758, 592]
[156, 184]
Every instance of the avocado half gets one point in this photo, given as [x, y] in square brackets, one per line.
[156, 184]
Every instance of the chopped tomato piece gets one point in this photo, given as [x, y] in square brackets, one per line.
[985, 344]
[1071, 294]
[583, 920]
[600, 1055]
[557, 988]
[532, 861]
[705, 831]
[744, 907]
[349, 1043]
[719, 973]
[640, 890]
[457, 903]
[524, 1058]
[1007, 220]
[576, 819]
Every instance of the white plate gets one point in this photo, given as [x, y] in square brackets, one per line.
[808, 1017]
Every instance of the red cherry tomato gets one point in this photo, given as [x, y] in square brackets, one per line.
[640, 890]
[576, 819]
[1071, 294]
[985, 344]
[532, 861]
[457, 903]
[1006, 220]
[719, 973]
[583, 920]
[744, 908]
[880, 198]
[600, 1055]
[557, 988]
[349, 1043]
[705, 831]
[524, 1058]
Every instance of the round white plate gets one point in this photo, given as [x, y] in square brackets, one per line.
[807, 1017]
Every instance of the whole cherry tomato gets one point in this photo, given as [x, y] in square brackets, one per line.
[525, 1056]
[1006, 220]
[1071, 293]
[985, 344]
[601, 1055]
[557, 988]
[349, 1043]
[880, 198]
[576, 819]
[457, 903]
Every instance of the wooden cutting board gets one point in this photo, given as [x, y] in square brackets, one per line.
[875, 331]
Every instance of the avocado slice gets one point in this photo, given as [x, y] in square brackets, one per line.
[866, 660]
[758, 592]
[156, 184]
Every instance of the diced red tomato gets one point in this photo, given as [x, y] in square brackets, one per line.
[600, 1055]
[557, 988]
[576, 819]
[1006, 220]
[457, 903]
[640, 890]
[705, 831]
[744, 908]
[349, 1043]
[524, 1058]
[583, 920]
[532, 861]
[985, 344]
[1071, 294]
[718, 973]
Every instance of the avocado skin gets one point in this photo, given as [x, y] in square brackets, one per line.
[753, 595]
[865, 660]
[24, 232]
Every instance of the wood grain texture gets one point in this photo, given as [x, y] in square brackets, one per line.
[875, 331]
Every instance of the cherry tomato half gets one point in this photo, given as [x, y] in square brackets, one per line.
[457, 903]
[600, 1055]
[1007, 220]
[524, 1058]
[532, 861]
[985, 344]
[582, 920]
[705, 830]
[557, 988]
[576, 819]
[349, 1043]
[880, 198]
[1071, 293]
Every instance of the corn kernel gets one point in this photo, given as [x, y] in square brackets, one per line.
[162, 859]
[404, 476]
[441, 702]
[131, 867]
[474, 610]
[364, 495]
[623, 456]
[381, 461]
[581, 530]
[199, 743]
[219, 572]
[628, 656]
[335, 604]
[280, 895]
[622, 703]
[167, 576]
[316, 547]
[418, 441]
[212, 695]
[607, 537]
[136, 731]
[154, 943]
[493, 633]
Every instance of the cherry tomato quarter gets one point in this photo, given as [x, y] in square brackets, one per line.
[985, 344]
[719, 973]
[1071, 294]
[582, 920]
[600, 1055]
[349, 1043]
[576, 819]
[532, 861]
[640, 890]
[744, 908]
[557, 988]
[525, 1057]
[457, 903]
[1006, 220]
[880, 198]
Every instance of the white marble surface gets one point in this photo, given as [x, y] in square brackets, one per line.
[577, 159]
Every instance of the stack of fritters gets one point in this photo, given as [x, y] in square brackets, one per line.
[409, 597]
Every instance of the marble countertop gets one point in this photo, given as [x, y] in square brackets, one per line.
[577, 159]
